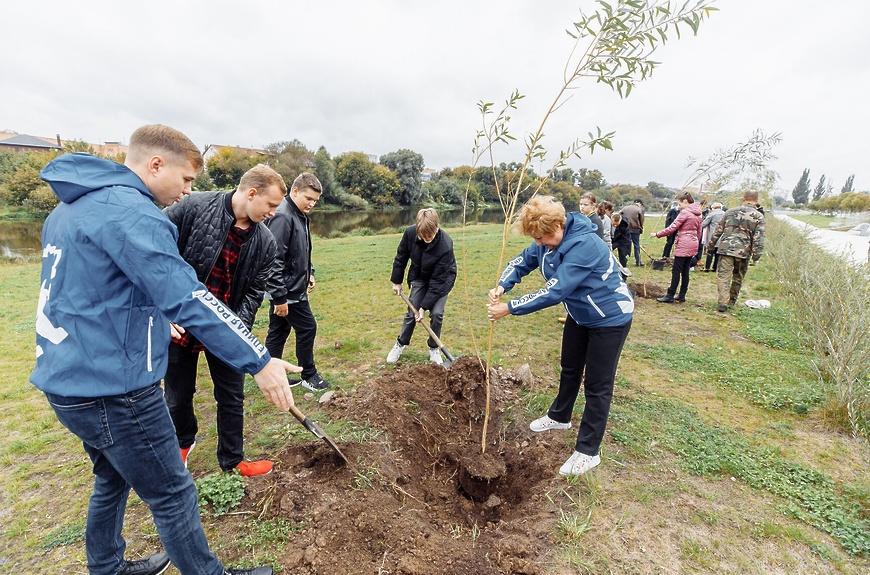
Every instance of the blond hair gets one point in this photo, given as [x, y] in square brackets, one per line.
[427, 223]
[159, 140]
[261, 177]
[540, 216]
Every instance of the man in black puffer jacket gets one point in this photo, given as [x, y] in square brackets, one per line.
[431, 277]
[222, 236]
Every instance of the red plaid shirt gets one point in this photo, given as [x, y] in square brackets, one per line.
[220, 280]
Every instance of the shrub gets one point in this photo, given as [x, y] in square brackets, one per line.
[40, 201]
[831, 317]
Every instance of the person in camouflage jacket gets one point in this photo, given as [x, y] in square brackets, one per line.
[738, 237]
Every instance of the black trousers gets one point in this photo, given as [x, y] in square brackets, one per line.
[595, 351]
[300, 318]
[669, 245]
[229, 393]
[680, 271]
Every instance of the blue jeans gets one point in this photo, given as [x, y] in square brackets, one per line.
[131, 442]
[635, 241]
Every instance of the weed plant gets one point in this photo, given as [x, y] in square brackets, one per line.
[831, 317]
[223, 491]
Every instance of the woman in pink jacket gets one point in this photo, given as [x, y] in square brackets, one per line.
[687, 226]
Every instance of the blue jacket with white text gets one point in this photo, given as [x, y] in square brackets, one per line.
[111, 282]
[581, 273]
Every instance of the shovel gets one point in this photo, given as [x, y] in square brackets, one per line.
[315, 429]
[449, 359]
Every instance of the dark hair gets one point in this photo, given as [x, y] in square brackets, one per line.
[638, 201]
[686, 196]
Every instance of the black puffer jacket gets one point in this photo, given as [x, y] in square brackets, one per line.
[203, 220]
[434, 264]
[292, 231]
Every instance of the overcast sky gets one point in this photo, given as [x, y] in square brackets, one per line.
[382, 75]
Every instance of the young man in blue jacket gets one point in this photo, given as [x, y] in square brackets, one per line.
[222, 235]
[112, 281]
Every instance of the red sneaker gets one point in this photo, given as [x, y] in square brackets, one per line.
[185, 451]
[252, 468]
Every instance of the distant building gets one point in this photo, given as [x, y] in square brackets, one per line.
[27, 143]
[427, 174]
[213, 149]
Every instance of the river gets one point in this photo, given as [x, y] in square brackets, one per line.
[23, 239]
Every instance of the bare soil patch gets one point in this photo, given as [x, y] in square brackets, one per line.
[648, 290]
[400, 507]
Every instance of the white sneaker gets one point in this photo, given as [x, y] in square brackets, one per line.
[578, 464]
[546, 424]
[394, 354]
[435, 356]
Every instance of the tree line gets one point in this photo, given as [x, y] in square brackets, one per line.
[351, 180]
[822, 199]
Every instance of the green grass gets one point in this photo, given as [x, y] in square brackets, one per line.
[700, 398]
[807, 494]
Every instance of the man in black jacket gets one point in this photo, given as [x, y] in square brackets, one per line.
[221, 235]
[294, 278]
[431, 277]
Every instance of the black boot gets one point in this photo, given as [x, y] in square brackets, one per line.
[667, 298]
[680, 298]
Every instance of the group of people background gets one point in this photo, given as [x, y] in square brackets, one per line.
[732, 240]
[130, 295]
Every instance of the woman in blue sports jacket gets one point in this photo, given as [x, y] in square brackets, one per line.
[582, 274]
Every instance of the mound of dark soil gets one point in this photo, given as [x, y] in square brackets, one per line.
[399, 507]
[647, 290]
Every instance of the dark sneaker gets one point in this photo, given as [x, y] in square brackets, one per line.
[254, 571]
[294, 381]
[153, 565]
[723, 308]
[315, 383]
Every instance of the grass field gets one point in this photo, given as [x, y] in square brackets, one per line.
[717, 458]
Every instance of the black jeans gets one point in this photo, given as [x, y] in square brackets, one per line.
[669, 245]
[680, 271]
[601, 346]
[436, 315]
[712, 256]
[229, 393]
[622, 253]
[300, 318]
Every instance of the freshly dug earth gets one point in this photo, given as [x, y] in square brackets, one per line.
[399, 507]
[649, 290]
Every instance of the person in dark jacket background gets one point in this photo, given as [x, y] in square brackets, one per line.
[621, 239]
[294, 278]
[430, 277]
[669, 219]
[222, 236]
[580, 273]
